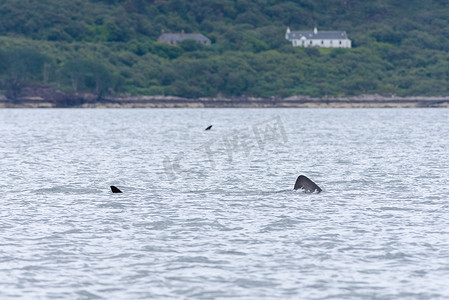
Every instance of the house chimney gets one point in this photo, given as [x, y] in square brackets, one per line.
[315, 30]
[287, 33]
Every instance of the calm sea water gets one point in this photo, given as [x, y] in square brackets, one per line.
[212, 214]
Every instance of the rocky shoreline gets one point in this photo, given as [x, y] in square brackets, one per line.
[46, 97]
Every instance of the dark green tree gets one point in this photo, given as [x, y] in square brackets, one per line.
[21, 66]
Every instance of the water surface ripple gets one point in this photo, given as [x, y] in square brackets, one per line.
[224, 223]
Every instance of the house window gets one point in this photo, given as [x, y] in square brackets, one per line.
[322, 42]
[340, 42]
[310, 42]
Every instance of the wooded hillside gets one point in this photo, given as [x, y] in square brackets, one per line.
[109, 46]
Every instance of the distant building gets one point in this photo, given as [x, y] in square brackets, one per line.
[315, 38]
[175, 38]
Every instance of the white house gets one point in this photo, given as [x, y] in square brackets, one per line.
[315, 38]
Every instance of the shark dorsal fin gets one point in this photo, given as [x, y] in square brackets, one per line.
[306, 184]
[115, 189]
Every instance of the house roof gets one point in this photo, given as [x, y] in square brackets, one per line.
[178, 37]
[319, 35]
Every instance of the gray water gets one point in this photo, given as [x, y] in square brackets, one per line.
[212, 214]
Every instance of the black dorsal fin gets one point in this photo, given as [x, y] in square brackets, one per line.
[306, 184]
[115, 189]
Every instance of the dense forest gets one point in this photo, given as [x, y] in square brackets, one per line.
[400, 47]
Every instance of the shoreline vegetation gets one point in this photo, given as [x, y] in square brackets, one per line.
[112, 49]
[46, 97]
